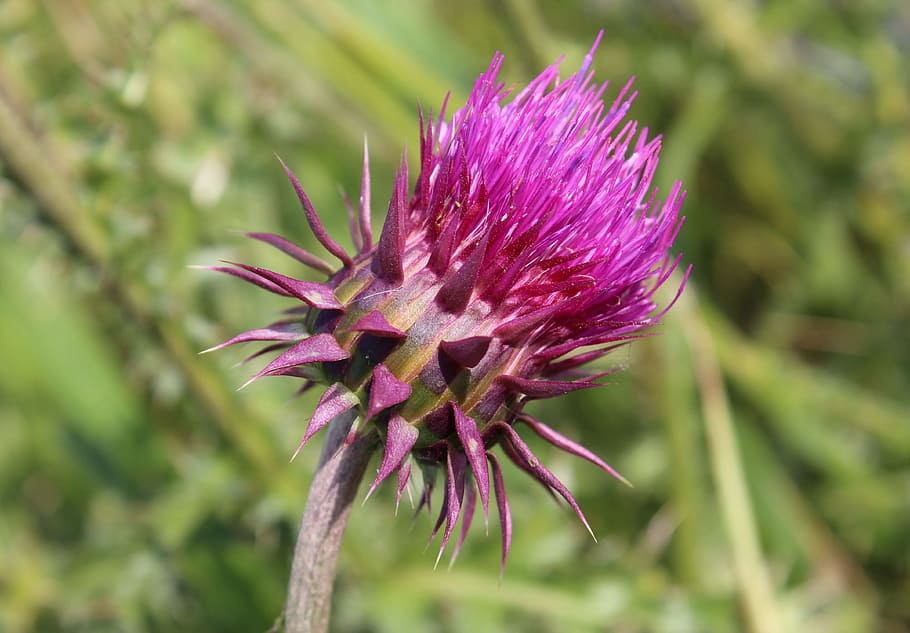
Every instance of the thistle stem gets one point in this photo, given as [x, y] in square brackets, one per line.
[332, 492]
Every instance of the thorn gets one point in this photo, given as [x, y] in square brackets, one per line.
[313, 220]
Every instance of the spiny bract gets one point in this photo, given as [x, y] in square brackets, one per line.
[531, 245]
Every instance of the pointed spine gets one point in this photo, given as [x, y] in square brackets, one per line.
[265, 350]
[321, 348]
[400, 439]
[336, 400]
[353, 227]
[277, 332]
[541, 473]
[289, 248]
[505, 515]
[388, 264]
[313, 220]
[366, 229]
[563, 443]
[456, 470]
[472, 442]
[404, 476]
[444, 248]
[386, 391]
[466, 352]
[376, 324]
[467, 516]
[256, 280]
[456, 292]
[536, 389]
[312, 293]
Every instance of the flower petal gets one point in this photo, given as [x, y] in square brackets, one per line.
[517, 327]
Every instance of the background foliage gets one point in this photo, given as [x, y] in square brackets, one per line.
[766, 428]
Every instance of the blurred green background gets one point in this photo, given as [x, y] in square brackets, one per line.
[766, 429]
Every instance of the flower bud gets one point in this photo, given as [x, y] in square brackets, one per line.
[531, 245]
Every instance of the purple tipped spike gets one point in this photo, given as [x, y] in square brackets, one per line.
[256, 280]
[467, 515]
[425, 500]
[366, 231]
[304, 257]
[456, 292]
[443, 250]
[472, 442]
[543, 388]
[456, 469]
[466, 352]
[336, 400]
[404, 475]
[388, 264]
[542, 474]
[312, 293]
[386, 391]
[517, 459]
[400, 439]
[313, 220]
[376, 324]
[321, 348]
[276, 332]
[564, 443]
[265, 350]
[505, 515]
[352, 220]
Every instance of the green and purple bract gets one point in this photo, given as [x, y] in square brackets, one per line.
[531, 245]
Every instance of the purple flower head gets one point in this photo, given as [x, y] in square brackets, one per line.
[531, 245]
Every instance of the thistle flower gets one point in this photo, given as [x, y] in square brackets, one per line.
[532, 244]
